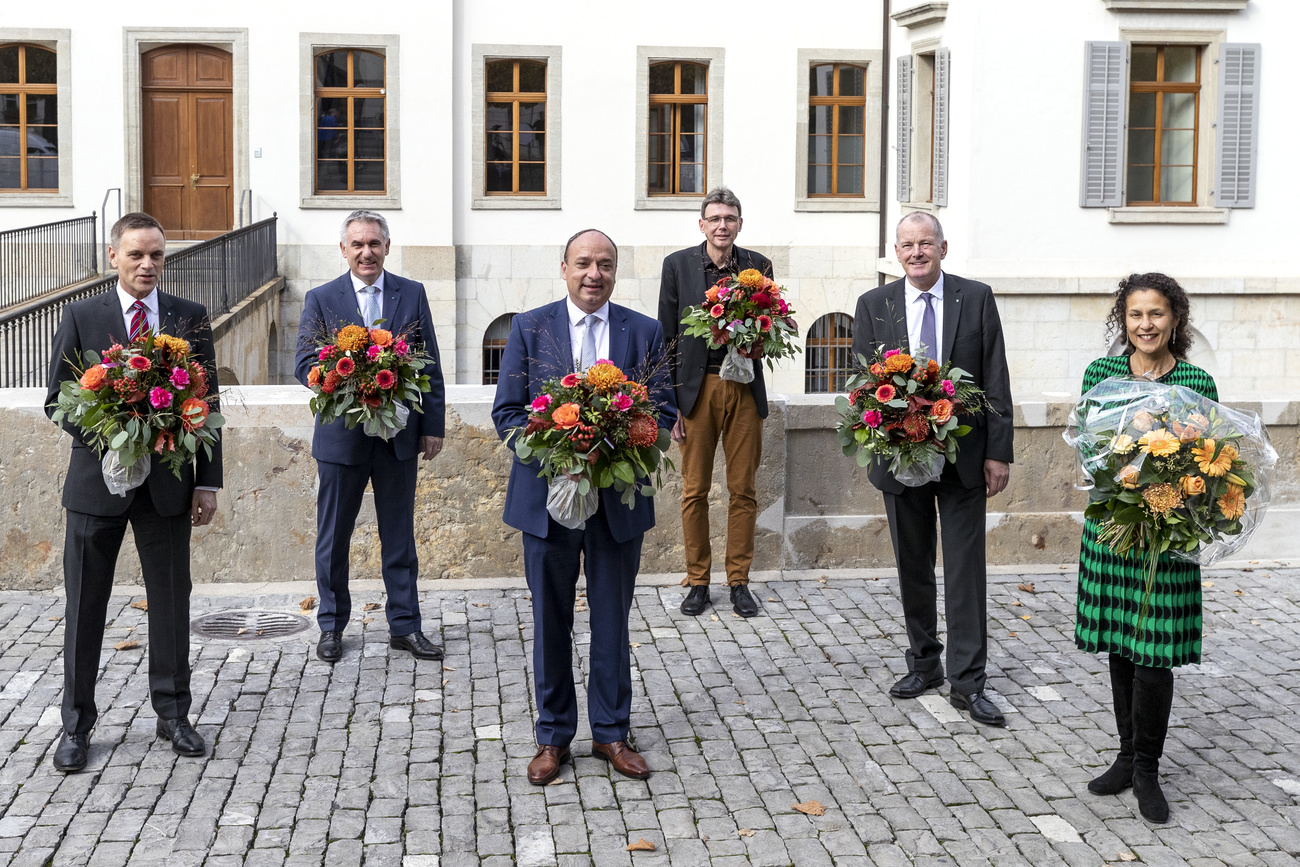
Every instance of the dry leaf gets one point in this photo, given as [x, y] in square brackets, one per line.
[523, 626]
[1028, 588]
[1024, 616]
[308, 604]
[448, 668]
[740, 701]
[241, 630]
[1247, 569]
[746, 832]
[1011, 634]
[641, 846]
[810, 808]
[130, 629]
[558, 781]
[57, 618]
[1238, 593]
[1017, 604]
[142, 604]
[476, 604]
[260, 631]
[1207, 583]
[771, 599]
[363, 621]
[713, 617]
[444, 681]
[370, 606]
[1255, 623]
[734, 614]
[634, 644]
[1127, 856]
[126, 645]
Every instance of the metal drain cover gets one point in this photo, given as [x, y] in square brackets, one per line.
[248, 625]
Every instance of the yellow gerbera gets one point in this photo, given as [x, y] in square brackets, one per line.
[1211, 465]
[1233, 503]
[1159, 442]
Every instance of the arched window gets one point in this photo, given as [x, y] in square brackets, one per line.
[828, 354]
[350, 117]
[494, 344]
[678, 128]
[29, 118]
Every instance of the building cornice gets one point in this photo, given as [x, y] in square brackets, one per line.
[922, 14]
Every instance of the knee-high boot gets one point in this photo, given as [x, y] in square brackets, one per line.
[1153, 695]
[1119, 776]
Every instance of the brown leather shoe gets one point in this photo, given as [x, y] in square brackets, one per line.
[545, 765]
[625, 760]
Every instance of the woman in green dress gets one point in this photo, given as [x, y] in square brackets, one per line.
[1151, 311]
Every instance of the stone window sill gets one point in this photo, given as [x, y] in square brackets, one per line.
[351, 203]
[1170, 215]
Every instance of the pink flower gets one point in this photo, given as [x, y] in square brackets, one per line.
[325, 353]
[160, 397]
[604, 361]
[400, 348]
[139, 362]
[948, 388]
[765, 323]
[724, 292]
[886, 393]
[622, 402]
[180, 377]
[717, 311]
[374, 352]
[890, 353]
[571, 381]
[872, 418]
[782, 307]
[540, 403]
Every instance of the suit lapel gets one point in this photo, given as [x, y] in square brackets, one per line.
[559, 339]
[951, 312]
[167, 315]
[896, 310]
[699, 282]
[392, 302]
[619, 343]
[347, 302]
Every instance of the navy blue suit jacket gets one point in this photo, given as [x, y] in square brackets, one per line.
[406, 314]
[539, 349]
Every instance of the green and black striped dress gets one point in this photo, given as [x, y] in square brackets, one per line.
[1111, 587]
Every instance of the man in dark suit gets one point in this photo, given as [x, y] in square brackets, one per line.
[346, 460]
[547, 343]
[948, 318]
[161, 511]
[710, 407]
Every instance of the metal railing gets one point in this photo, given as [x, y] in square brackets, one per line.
[36, 260]
[218, 274]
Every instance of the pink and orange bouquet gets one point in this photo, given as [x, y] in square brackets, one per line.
[149, 397]
[904, 411]
[746, 314]
[368, 376]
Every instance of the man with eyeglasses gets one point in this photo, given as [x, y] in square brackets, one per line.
[710, 408]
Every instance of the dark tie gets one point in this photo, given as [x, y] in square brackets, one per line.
[929, 345]
[588, 355]
[139, 321]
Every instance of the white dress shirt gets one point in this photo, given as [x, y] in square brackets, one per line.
[576, 327]
[361, 288]
[127, 300]
[916, 310]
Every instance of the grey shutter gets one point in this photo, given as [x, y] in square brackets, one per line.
[1237, 139]
[1105, 110]
[905, 128]
[939, 191]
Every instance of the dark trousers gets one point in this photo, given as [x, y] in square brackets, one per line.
[961, 514]
[342, 487]
[90, 550]
[551, 565]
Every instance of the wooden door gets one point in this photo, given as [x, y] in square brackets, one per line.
[188, 136]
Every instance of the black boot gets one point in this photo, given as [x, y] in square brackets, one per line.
[1153, 695]
[1120, 775]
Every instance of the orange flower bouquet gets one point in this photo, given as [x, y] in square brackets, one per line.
[748, 315]
[368, 376]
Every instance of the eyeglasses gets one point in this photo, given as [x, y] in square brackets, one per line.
[729, 220]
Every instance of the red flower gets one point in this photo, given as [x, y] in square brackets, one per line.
[916, 427]
[345, 366]
[765, 323]
[331, 382]
[571, 381]
[193, 414]
[385, 379]
[762, 299]
[886, 393]
[139, 362]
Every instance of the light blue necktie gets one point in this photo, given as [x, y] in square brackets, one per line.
[588, 356]
[929, 344]
[370, 311]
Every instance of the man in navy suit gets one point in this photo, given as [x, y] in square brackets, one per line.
[346, 460]
[547, 343]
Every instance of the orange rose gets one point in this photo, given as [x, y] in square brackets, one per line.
[712, 295]
[94, 377]
[1128, 476]
[565, 416]
[313, 376]
[941, 411]
[1192, 485]
[194, 413]
[380, 337]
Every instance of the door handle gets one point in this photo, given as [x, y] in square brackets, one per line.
[194, 182]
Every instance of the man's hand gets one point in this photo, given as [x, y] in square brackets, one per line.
[431, 447]
[678, 432]
[996, 474]
[203, 508]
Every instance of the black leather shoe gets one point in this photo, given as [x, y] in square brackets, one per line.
[70, 755]
[742, 601]
[185, 740]
[914, 683]
[417, 645]
[981, 709]
[330, 646]
[697, 600]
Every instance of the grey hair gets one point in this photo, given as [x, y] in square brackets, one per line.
[363, 216]
[917, 216]
[576, 235]
[720, 196]
[133, 220]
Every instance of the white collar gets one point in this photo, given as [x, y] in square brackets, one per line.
[577, 314]
[914, 294]
[127, 300]
[358, 285]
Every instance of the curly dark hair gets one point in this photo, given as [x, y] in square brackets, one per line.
[1181, 340]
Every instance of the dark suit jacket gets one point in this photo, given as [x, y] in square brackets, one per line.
[539, 349]
[406, 313]
[681, 286]
[95, 324]
[972, 340]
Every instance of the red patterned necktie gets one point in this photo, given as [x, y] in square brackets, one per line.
[139, 322]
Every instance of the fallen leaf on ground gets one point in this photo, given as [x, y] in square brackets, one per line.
[241, 630]
[260, 631]
[126, 645]
[746, 832]
[142, 604]
[444, 681]
[771, 599]
[448, 668]
[734, 614]
[1127, 856]
[821, 580]
[57, 618]
[1247, 569]
[1207, 583]
[1028, 588]
[308, 604]
[370, 606]
[634, 644]
[130, 629]
[481, 604]
[558, 781]
[1238, 593]
[1024, 616]
[1011, 634]
[1255, 623]
[713, 617]
[641, 846]
[1017, 604]
[810, 808]
[364, 621]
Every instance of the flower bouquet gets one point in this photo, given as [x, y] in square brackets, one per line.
[904, 410]
[746, 314]
[147, 397]
[593, 430]
[367, 376]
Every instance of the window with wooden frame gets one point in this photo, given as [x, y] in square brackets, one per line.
[350, 113]
[677, 157]
[828, 354]
[494, 346]
[515, 128]
[1163, 124]
[29, 117]
[837, 108]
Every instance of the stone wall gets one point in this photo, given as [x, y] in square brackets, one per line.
[247, 338]
[816, 508]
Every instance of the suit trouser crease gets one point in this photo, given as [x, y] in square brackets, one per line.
[724, 410]
[342, 488]
[961, 514]
[91, 549]
[551, 565]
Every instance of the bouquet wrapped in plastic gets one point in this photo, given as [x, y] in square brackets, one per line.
[746, 314]
[368, 376]
[1168, 470]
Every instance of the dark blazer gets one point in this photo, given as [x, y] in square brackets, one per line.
[539, 349]
[682, 285]
[972, 340]
[97, 323]
[406, 313]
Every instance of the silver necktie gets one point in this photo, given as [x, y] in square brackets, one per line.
[588, 355]
[370, 311]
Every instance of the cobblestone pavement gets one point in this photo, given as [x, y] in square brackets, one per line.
[381, 760]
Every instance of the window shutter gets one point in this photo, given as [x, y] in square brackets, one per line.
[1105, 107]
[1237, 140]
[905, 128]
[939, 193]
